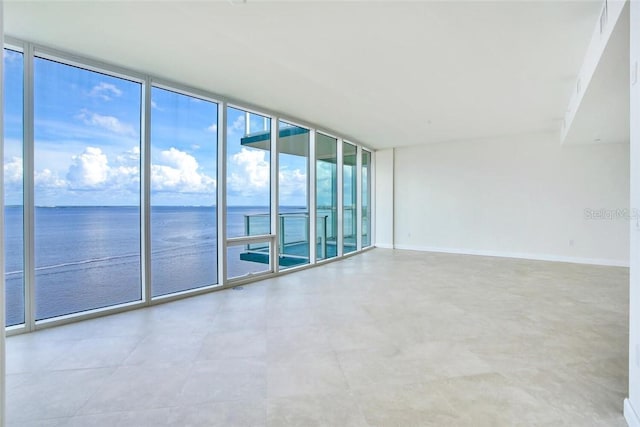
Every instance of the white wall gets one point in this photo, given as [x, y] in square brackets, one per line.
[517, 197]
[632, 404]
[384, 198]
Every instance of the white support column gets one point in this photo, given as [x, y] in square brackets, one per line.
[2, 286]
[340, 210]
[359, 191]
[275, 210]
[372, 200]
[221, 190]
[28, 189]
[632, 403]
[145, 191]
[383, 191]
[311, 202]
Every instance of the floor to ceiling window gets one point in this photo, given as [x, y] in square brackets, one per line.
[109, 202]
[326, 196]
[13, 187]
[366, 198]
[86, 189]
[293, 202]
[184, 136]
[248, 192]
[349, 191]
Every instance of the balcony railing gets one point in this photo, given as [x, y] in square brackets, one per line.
[293, 243]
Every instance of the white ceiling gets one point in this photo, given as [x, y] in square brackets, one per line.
[382, 73]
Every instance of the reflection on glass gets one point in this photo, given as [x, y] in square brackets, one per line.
[184, 137]
[293, 161]
[349, 189]
[13, 193]
[87, 189]
[366, 197]
[326, 196]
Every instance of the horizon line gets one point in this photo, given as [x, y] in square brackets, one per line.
[153, 206]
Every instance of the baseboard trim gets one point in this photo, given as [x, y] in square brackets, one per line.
[384, 245]
[630, 415]
[537, 257]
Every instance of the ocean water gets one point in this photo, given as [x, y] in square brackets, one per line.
[89, 257]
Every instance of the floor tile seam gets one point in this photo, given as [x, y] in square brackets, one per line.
[130, 352]
[106, 380]
[90, 396]
[200, 349]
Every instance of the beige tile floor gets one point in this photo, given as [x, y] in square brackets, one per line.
[385, 338]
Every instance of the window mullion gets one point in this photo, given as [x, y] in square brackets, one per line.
[28, 189]
[145, 191]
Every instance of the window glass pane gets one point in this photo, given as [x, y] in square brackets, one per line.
[248, 173]
[184, 140]
[349, 189]
[13, 187]
[248, 259]
[248, 191]
[366, 197]
[87, 189]
[293, 160]
[326, 196]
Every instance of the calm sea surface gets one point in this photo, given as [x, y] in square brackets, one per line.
[89, 257]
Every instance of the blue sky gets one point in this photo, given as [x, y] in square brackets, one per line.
[87, 144]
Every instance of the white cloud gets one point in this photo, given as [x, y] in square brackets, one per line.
[48, 179]
[91, 170]
[173, 171]
[126, 173]
[88, 170]
[109, 123]
[238, 124]
[293, 183]
[178, 171]
[253, 171]
[124, 177]
[213, 128]
[105, 91]
[130, 158]
[13, 171]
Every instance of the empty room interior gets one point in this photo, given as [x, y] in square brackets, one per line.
[305, 213]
